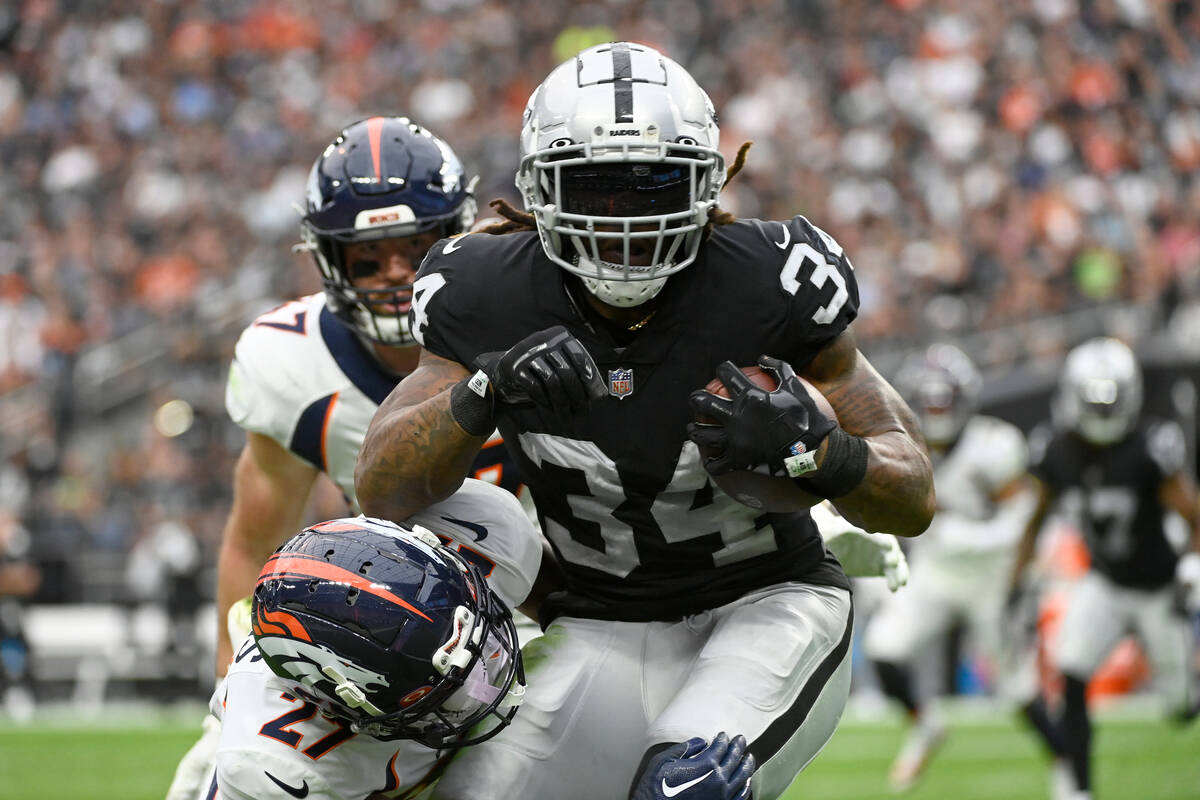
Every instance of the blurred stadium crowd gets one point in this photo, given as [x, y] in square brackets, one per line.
[1013, 176]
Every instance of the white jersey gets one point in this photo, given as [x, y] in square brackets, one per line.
[274, 744]
[305, 380]
[988, 456]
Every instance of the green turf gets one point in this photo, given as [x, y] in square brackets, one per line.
[132, 757]
[1142, 759]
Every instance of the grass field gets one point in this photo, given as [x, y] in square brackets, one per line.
[131, 756]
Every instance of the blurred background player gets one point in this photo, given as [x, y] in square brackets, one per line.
[1119, 473]
[308, 375]
[19, 579]
[960, 565]
[377, 651]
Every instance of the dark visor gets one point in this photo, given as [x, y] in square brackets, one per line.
[626, 190]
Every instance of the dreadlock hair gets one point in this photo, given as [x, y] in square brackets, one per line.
[517, 221]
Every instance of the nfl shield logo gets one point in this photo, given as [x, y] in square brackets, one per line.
[620, 382]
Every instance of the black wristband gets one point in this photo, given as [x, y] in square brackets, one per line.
[842, 469]
[474, 413]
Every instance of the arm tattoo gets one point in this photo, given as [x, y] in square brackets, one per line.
[897, 493]
[414, 453]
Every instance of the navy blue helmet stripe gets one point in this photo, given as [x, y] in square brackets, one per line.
[622, 82]
[308, 438]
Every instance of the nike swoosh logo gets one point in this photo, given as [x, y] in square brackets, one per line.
[787, 238]
[453, 245]
[671, 791]
[474, 527]
[292, 790]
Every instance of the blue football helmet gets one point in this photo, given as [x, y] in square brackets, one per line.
[381, 178]
[942, 386]
[390, 630]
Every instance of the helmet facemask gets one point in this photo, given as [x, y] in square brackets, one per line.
[364, 310]
[381, 178]
[654, 201]
[482, 678]
[620, 167]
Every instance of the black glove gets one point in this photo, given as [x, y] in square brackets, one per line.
[779, 430]
[696, 770]
[549, 368]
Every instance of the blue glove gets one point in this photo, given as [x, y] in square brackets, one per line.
[696, 770]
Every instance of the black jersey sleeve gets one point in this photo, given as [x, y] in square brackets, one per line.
[817, 274]
[468, 294]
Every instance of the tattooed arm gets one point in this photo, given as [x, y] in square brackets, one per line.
[414, 453]
[896, 495]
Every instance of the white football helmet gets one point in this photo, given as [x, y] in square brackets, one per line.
[943, 388]
[1100, 391]
[620, 168]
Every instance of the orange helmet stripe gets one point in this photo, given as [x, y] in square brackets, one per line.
[279, 622]
[308, 567]
[336, 525]
[375, 137]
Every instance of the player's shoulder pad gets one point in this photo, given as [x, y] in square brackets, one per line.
[259, 775]
[998, 450]
[476, 252]
[802, 261]
[461, 283]
[1166, 445]
[274, 361]
[274, 344]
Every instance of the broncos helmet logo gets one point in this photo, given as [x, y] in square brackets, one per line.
[304, 661]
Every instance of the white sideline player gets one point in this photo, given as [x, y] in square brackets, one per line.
[307, 376]
[959, 566]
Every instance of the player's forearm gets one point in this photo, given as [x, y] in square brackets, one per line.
[238, 565]
[1179, 494]
[896, 494]
[412, 456]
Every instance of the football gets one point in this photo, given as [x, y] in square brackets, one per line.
[776, 494]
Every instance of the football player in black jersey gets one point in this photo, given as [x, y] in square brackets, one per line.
[587, 333]
[1119, 473]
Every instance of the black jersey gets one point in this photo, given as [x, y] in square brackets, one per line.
[621, 492]
[1113, 491]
